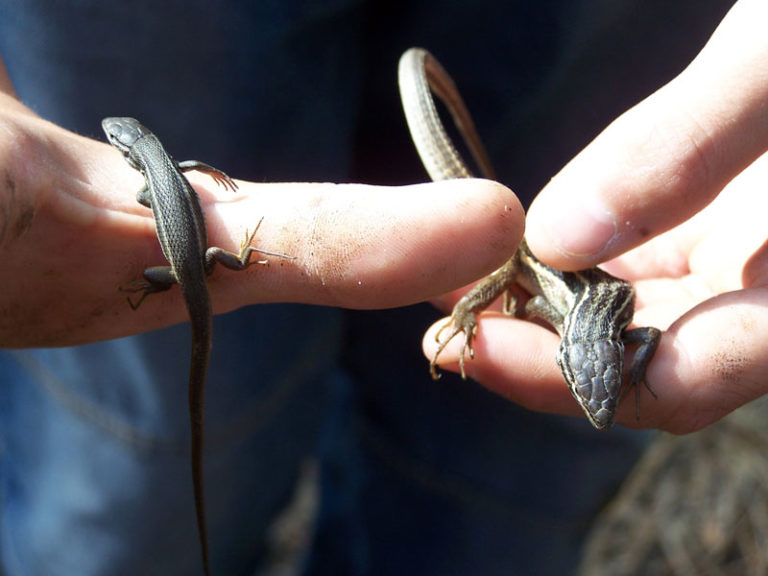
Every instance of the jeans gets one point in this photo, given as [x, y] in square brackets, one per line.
[95, 458]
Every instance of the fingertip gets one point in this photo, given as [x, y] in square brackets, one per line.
[569, 231]
[497, 194]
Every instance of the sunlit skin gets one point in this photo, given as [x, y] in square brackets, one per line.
[672, 195]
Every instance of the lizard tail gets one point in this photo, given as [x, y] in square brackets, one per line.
[201, 348]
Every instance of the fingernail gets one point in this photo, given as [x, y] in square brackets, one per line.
[582, 228]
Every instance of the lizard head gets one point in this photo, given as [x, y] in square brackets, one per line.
[123, 133]
[593, 371]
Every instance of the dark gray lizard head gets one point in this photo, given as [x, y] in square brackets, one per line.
[123, 133]
[594, 374]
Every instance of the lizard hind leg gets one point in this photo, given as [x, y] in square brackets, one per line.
[242, 259]
[155, 279]
[246, 247]
[460, 321]
[478, 298]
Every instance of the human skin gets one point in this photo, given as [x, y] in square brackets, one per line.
[72, 233]
[671, 196]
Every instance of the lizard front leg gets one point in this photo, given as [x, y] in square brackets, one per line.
[648, 339]
[218, 176]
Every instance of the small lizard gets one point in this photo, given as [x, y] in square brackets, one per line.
[590, 309]
[183, 239]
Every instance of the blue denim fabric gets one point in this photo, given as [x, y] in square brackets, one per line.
[95, 467]
[418, 477]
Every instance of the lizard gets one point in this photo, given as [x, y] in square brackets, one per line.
[590, 309]
[183, 237]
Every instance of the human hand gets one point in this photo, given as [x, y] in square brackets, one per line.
[72, 233]
[700, 278]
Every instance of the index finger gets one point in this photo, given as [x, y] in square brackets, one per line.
[666, 158]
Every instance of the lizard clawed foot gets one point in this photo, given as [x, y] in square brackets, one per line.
[634, 382]
[465, 322]
[245, 246]
[223, 180]
[246, 249]
[135, 286]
